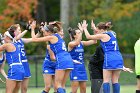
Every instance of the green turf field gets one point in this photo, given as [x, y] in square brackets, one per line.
[124, 89]
[127, 80]
[37, 80]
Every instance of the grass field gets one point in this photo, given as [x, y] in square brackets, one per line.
[127, 80]
[37, 80]
[124, 89]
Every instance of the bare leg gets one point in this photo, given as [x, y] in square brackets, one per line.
[47, 81]
[107, 74]
[18, 84]
[24, 85]
[53, 82]
[59, 75]
[115, 83]
[138, 84]
[115, 76]
[9, 88]
[82, 86]
[66, 76]
[74, 86]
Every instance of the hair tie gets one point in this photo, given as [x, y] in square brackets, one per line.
[46, 28]
[55, 29]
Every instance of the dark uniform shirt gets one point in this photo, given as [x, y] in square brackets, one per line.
[96, 64]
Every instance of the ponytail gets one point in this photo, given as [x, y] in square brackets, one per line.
[72, 32]
[104, 25]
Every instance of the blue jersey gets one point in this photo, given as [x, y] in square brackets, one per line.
[112, 44]
[24, 60]
[58, 47]
[63, 58]
[16, 69]
[20, 44]
[48, 61]
[79, 72]
[112, 56]
[77, 53]
[48, 66]
[2, 58]
[13, 57]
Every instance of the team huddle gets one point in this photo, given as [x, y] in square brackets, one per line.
[60, 62]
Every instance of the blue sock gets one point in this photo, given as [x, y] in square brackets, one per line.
[44, 91]
[60, 90]
[106, 87]
[116, 88]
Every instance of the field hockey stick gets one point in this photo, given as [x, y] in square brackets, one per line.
[2, 80]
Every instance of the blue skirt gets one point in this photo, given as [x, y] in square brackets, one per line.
[16, 72]
[78, 73]
[113, 60]
[27, 69]
[48, 67]
[64, 61]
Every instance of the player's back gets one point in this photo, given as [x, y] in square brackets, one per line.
[113, 58]
[13, 57]
[112, 44]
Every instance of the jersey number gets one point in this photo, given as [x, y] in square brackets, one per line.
[115, 43]
[22, 52]
[64, 46]
[80, 56]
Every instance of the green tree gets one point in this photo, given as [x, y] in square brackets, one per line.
[17, 11]
[123, 13]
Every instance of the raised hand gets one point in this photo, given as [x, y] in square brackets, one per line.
[33, 25]
[93, 25]
[84, 25]
[41, 26]
[80, 27]
[28, 26]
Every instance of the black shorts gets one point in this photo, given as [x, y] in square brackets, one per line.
[138, 76]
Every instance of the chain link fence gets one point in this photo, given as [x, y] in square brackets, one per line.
[36, 62]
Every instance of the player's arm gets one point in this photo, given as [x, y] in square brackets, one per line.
[29, 40]
[3, 47]
[89, 42]
[75, 42]
[2, 70]
[88, 36]
[21, 35]
[93, 27]
[33, 26]
[26, 40]
[43, 39]
[52, 56]
[93, 37]
[34, 38]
